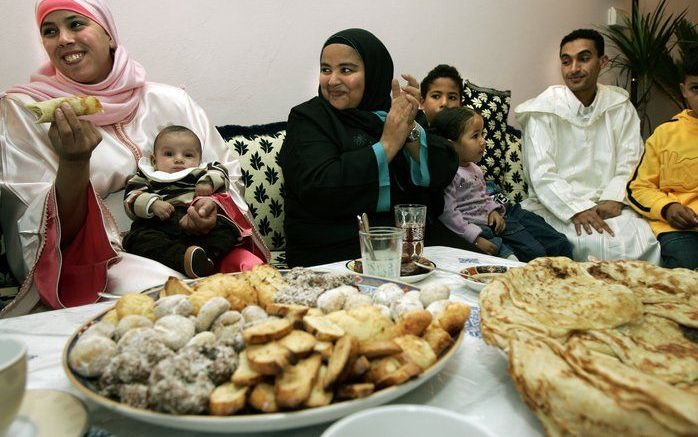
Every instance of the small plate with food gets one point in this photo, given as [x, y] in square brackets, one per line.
[477, 277]
[409, 271]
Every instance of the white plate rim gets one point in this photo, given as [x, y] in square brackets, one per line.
[406, 408]
[253, 422]
[411, 279]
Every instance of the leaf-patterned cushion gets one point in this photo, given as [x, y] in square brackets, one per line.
[493, 105]
[512, 181]
[258, 147]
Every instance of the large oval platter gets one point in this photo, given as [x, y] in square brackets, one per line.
[262, 421]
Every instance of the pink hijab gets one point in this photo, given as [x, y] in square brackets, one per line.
[119, 93]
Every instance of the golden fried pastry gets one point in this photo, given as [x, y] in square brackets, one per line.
[267, 330]
[403, 374]
[323, 328]
[294, 385]
[417, 350]
[359, 367]
[355, 391]
[365, 323]
[174, 286]
[413, 323]
[300, 343]
[262, 398]
[343, 354]
[438, 338]
[453, 317]
[244, 375]
[226, 399]
[268, 359]
[318, 395]
[135, 304]
[379, 348]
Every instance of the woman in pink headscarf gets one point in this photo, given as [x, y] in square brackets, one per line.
[61, 238]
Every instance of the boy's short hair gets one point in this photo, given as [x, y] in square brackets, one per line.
[450, 123]
[585, 34]
[442, 70]
[175, 128]
[690, 63]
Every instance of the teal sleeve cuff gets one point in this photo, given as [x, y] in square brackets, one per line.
[383, 178]
[420, 170]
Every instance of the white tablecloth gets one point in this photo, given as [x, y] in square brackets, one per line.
[474, 383]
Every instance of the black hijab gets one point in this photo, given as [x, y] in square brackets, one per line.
[378, 67]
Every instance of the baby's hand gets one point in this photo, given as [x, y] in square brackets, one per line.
[203, 189]
[162, 209]
[486, 246]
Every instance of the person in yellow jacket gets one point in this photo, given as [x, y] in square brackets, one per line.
[664, 186]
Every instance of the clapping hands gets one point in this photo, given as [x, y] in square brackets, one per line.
[400, 119]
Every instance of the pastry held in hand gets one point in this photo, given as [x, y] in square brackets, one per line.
[82, 105]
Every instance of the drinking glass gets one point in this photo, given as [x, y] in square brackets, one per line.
[381, 251]
[411, 218]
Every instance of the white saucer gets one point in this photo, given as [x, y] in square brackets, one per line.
[49, 413]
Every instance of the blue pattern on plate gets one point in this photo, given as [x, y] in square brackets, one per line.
[472, 326]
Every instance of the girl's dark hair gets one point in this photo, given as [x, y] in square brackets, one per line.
[441, 70]
[450, 123]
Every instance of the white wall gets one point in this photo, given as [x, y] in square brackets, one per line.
[250, 61]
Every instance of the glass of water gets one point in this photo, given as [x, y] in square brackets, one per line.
[381, 251]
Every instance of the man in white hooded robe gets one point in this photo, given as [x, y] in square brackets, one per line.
[581, 141]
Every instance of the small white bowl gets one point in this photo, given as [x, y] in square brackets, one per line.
[477, 277]
[406, 421]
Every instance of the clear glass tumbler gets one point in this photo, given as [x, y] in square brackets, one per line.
[381, 251]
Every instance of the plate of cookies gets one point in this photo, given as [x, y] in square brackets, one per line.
[263, 350]
[409, 271]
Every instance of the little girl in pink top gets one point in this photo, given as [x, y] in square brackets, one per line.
[470, 212]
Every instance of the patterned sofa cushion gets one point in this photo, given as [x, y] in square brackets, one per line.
[493, 105]
[512, 181]
[258, 147]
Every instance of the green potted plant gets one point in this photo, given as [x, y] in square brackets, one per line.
[645, 45]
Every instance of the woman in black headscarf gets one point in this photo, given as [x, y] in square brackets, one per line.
[355, 149]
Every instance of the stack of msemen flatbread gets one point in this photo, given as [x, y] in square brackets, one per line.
[599, 348]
